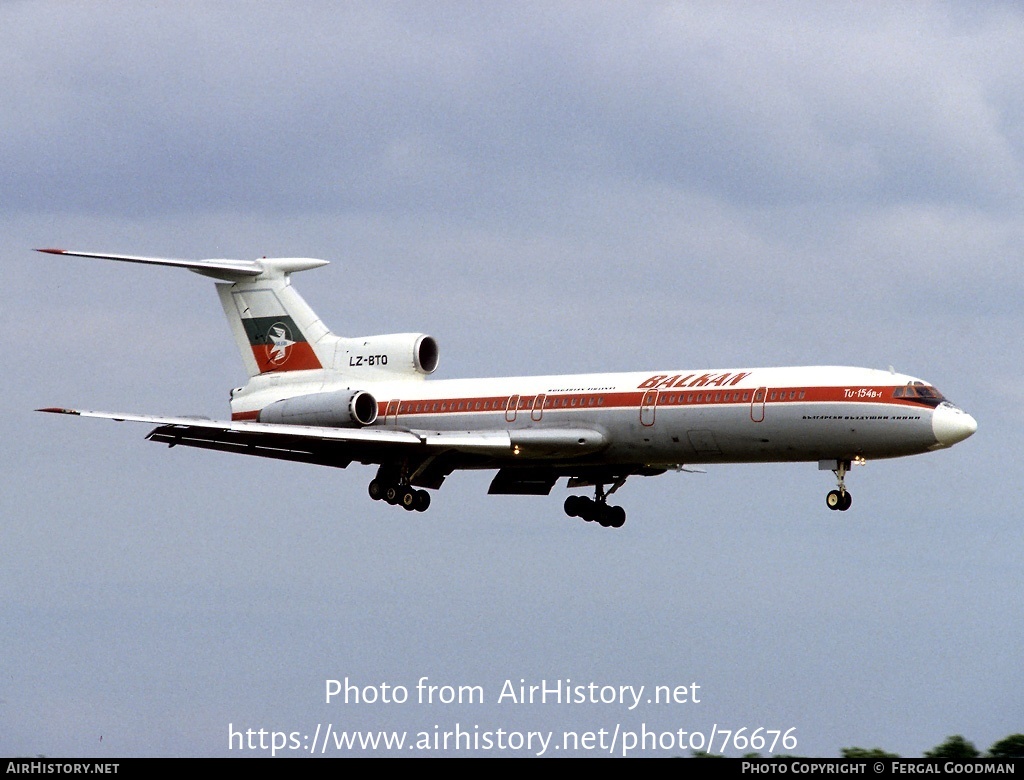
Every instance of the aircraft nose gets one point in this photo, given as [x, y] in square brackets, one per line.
[951, 425]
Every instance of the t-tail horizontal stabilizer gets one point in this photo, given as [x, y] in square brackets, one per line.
[225, 269]
[273, 327]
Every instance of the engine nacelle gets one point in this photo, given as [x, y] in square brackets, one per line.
[393, 353]
[339, 409]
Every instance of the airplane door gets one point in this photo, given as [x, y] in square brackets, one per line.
[647, 407]
[757, 404]
[511, 408]
[538, 408]
[391, 413]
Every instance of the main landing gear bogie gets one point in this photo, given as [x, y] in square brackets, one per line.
[398, 494]
[595, 511]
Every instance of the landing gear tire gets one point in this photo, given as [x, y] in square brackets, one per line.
[391, 494]
[838, 501]
[574, 505]
[595, 511]
[422, 500]
[376, 490]
[407, 498]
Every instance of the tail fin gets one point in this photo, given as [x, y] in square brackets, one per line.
[276, 331]
[274, 328]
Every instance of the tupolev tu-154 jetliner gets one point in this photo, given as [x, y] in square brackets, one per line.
[315, 397]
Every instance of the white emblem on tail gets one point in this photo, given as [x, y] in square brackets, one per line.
[279, 343]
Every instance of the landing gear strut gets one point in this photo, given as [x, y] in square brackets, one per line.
[596, 508]
[840, 498]
[395, 490]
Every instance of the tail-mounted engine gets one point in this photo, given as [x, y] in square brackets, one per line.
[394, 354]
[340, 409]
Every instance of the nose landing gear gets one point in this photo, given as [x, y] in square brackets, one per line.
[839, 499]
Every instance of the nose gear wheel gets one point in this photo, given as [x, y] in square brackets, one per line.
[840, 498]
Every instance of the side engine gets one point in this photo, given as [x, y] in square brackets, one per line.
[339, 409]
[402, 354]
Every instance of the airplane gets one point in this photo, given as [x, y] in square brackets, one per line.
[316, 397]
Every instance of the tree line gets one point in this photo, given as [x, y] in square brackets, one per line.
[956, 746]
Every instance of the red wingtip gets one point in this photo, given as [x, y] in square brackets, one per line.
[57, 410]
[53, 251]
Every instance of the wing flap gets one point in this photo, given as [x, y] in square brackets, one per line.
[263, 445]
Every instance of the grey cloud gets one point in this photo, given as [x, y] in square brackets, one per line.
[474, 109]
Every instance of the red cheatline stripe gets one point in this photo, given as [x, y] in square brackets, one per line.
[558, 402]
[553, 402]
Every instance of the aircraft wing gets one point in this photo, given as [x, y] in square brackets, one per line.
[340, 446]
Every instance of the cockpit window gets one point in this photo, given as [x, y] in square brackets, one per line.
[919, 392]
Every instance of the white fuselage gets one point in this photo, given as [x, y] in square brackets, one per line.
[668, 418]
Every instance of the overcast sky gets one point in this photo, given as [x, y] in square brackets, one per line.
[544, 188]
